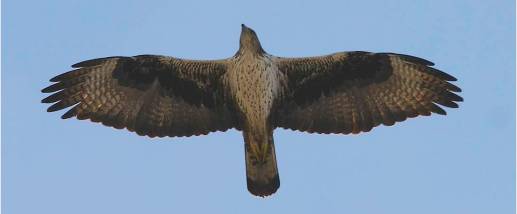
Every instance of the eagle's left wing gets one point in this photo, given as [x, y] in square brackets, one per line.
[352, 92]
[148, 94]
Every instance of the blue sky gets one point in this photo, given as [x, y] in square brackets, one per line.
[461, 163]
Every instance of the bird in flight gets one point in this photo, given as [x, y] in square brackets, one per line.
[254, 92]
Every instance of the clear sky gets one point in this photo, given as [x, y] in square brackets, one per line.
[460, 163]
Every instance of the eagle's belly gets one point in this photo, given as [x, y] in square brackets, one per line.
[255, 85]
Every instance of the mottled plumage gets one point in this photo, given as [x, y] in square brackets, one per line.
[346, 92]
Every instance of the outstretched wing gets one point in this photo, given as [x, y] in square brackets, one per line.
[152, 95]
[352, 92]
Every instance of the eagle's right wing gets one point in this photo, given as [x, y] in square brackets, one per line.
[352, 92]
[151, 95]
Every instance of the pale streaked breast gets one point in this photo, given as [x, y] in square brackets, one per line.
[254, 85]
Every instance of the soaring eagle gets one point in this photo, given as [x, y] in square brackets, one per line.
[254, 92]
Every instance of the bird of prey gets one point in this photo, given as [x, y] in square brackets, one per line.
[254, 92]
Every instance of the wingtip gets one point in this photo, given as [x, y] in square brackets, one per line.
[70, 113]
[93, 62]
[413, 59]
[48, 99]
[82, 64]
[86, 63]
[53, 88]
[55, 79]
[437, 109]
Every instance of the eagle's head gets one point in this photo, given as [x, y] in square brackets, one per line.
[249, 42]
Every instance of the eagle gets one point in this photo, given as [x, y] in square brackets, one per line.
[253, 92]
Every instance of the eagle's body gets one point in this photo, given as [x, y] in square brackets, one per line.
[347, 92]
[256, 86]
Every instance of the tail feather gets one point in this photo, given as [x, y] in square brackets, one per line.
[263, 189]
[261, 169]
